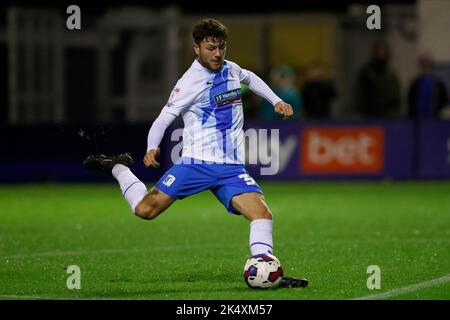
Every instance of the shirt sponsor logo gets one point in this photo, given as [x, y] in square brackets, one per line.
[343, 150]
[231, 96]
[169, 180]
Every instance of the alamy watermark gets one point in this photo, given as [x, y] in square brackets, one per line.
[74, 280]
[374, 20]
[374, 280]
[252, 146]
[448, 150]
[73, 22]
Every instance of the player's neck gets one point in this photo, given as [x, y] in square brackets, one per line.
[206, 68]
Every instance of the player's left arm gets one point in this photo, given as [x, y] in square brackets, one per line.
[258, 86]
[285, 109]
[154, 137]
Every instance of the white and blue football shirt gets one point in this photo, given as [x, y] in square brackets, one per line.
[211, 106]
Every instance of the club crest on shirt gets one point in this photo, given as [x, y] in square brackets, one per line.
[169, 180]
[231, 96]
[174, 92]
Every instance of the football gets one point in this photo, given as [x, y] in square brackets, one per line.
[263, 271]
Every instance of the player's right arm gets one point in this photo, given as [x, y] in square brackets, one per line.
[180, 98]
[154, 137]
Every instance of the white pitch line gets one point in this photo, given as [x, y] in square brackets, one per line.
[107, 251]
[70, 253]
[407, 289]
[177, 247]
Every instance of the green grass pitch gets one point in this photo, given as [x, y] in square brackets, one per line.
[329, 232]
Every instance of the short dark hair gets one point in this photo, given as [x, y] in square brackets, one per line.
[209, 28]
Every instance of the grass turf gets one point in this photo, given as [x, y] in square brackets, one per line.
[328, 232]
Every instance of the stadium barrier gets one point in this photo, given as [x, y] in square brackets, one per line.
[274, 150]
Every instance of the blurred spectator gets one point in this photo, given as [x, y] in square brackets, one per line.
[318, 93]
[427, 94]
[282, 80]
[378, 88]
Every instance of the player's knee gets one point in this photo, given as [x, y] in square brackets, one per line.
[146, 211]
[263, 213]
[266, 214]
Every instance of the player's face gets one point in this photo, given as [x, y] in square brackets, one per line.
[211, 53]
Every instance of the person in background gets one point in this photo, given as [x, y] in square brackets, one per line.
[282, 80]
[427, 94]
[318, 93]
[377, 92]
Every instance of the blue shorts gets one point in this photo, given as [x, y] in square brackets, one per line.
[224, 180]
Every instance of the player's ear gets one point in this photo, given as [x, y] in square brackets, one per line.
[196, 48]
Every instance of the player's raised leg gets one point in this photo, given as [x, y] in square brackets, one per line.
[146, 205]
[153, 203]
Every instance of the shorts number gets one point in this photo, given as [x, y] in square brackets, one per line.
[249, 180]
